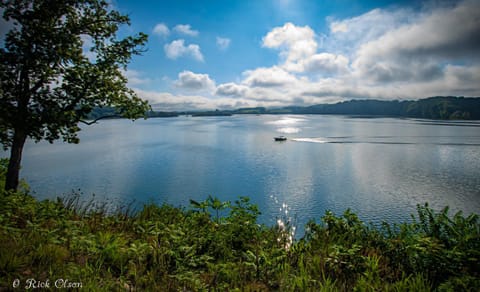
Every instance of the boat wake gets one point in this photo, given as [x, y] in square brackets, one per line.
[376, 140]
[311, 140]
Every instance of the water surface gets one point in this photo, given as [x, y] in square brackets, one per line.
[380, 168]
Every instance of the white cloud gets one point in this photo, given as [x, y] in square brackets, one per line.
[338, 27]
[161, 29]
[410, 55]
[348, 34]
[326, 62]
[164, 101]
[223, 43]
[382, 54]
[415, 51]
[268, 77]
[322, 64]
[295, 42]
[231, 89]
[192, 81]
[135, 78]
[299, 51]
[185, 29]
[178, 49]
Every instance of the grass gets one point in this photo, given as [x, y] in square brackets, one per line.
[165, 248]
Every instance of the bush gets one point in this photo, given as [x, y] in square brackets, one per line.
[220, 246]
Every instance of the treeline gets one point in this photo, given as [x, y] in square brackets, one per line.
[443, 108]
[437, 108]
[440, 107]
[112, 112]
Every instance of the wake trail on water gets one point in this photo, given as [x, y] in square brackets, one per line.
[311, 140]
[342, 140]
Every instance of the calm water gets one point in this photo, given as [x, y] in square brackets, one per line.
[380, 168]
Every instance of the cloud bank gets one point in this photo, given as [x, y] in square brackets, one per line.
[194, 82]
[382, 54]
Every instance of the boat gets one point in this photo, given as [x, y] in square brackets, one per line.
[280, 138]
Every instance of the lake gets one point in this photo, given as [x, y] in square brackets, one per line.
[381, 168]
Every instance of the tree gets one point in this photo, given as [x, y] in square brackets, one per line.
[61, 59]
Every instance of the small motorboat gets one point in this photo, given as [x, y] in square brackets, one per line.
[280, 138]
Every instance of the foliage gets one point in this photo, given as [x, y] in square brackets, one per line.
[170, 248]
[60, 60]
[3, 171]
[439, 107]
[48, 81]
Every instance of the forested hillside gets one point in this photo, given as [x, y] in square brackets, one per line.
[444, 108]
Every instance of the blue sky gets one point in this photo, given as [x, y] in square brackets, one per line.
[230, 54]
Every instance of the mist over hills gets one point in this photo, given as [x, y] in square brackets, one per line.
[439, 107]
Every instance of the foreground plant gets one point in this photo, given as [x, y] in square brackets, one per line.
[164, 248]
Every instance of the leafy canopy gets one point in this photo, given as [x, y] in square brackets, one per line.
[61, 59]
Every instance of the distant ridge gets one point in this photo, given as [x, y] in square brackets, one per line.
[437, 108]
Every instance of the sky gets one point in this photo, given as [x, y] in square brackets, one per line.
[209, 54]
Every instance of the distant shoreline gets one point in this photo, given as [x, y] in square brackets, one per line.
[432, 108]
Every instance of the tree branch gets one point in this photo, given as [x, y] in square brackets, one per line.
[100, 118]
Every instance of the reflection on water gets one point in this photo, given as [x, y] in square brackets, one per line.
[285, 223]
[380, 168]
[289, 130]
[288, 124]
[287, 120]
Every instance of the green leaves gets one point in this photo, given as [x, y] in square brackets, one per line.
[49, 83]
[164, 247]
[213, 203]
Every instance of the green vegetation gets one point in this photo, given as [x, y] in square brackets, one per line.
[52, 79]
[215, 113]
[165, 248]
[98, 113]
[439, 107]
[155, 114]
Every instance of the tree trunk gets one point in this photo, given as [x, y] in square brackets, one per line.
[13, 171]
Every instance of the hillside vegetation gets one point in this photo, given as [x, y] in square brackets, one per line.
[165, 248]
[437, 108]
[440, 107]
